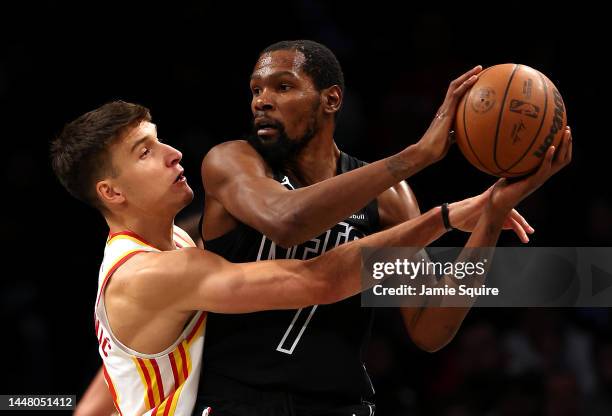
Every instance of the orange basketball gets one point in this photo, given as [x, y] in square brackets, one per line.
[508, 119]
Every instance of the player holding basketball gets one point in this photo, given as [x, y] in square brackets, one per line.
[289, 192]
[153, 285]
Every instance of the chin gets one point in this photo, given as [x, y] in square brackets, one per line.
[268, 141]
[188, 195]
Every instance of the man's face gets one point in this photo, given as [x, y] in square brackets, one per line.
[285, 106]
[148, 173]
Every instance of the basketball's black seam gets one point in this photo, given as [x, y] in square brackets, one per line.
[537, 133]
[467, 136]
[501, 114]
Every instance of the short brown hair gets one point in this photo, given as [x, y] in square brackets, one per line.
[80, 156]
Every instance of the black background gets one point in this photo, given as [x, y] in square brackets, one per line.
[190, 63]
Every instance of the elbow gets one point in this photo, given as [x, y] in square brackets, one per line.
[429, 343]
[428, 346]
[285, 230]
[282, 238]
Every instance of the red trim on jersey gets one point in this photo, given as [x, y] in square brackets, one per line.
[184, 358]
[169, 403]
[111, 387]
[155, 411]
[145, 242]
[160, 384]
[196, 327]
[174, 370]
[177, 244]
[145, 372]
[131, 234]
[114, 269]
[183, 239]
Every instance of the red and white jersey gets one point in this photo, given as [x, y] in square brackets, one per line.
[165, 383]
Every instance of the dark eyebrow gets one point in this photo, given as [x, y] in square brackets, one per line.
[276, 75]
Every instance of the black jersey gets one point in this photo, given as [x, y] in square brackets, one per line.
[315, 351]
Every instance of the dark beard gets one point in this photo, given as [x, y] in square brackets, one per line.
[282, 152]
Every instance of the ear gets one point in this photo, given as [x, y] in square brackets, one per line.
[331, 99]
[109, 193]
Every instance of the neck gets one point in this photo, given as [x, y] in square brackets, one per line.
[318, 160]
[156, 231]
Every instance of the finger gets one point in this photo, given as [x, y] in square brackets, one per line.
[460, 80]
[560, 150]
[465, 86]
[521, 220]
[520, 232]
[568, 155]
[567, 135]
[499, 184]
[561, 154]
[450, 93]
[546, 166]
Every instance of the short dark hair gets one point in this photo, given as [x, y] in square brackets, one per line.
[320, 63]
[80, 154]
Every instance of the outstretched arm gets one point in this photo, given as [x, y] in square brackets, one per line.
[193, 279]
[431, 328]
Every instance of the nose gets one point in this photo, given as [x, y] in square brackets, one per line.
[173, 156]
[264, 101]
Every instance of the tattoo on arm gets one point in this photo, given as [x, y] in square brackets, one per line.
[399, 167]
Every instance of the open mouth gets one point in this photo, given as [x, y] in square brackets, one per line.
[180, 177]
[266, 127]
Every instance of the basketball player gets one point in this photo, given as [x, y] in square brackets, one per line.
[289, 192]
[154, 285]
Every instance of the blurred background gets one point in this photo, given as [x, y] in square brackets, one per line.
[190, 63]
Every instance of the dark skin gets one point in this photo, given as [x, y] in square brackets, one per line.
[240, 186]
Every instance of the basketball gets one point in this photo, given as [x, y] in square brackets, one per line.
[508, 120]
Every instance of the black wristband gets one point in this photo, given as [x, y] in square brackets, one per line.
[445, 217]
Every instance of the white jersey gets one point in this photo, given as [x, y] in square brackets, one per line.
[162, 384]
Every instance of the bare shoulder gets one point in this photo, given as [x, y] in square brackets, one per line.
[229, 160]
[397, 204]
[133, 280]
[397, 196]
[154, 279]
[227, 152]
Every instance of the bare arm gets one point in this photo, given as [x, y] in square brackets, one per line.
[237, 177]
[434, 327]
[97, 400]
[193, 279]
[429, 328]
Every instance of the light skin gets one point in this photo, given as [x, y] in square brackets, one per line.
[240, 185]
[153, 295]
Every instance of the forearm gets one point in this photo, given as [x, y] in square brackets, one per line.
[343, 264]
[432, 326]
[309, 211]
[210, 283]
[97, 399]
